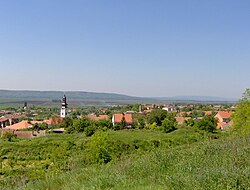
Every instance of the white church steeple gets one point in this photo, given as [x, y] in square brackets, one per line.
[64, 108]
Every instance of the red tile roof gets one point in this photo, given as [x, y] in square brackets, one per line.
[118, 118]
[99, 117]
[54, 120]
[181, 120]
[208, 112]
[225, 114]
[20, 125]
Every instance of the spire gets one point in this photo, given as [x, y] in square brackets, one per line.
[64, 108]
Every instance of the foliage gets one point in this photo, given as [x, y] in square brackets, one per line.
[40, 126]
[246, 94]
[90, 130]
[67, 122]
[169, 123]
[216, 164]
[207, 123]
[98, 148]
[9, 136]
[104, 124]
[157, 116]
[190, 122]
[196, 114]
[241, 117]
[79, 125]
[27, 160]
[123, 122]
[153, 126]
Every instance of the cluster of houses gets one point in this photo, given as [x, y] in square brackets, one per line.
[223, 117]
[11, 122]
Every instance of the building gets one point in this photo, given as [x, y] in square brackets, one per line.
[124, 117]
[223, 116]
[23, 125]
[224, 119]
[181, 120]
[8, 120]
[169, 108]
[98, 117]
[64, 108]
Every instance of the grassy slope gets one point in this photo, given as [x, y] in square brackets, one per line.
[26, 160]
[220, 164]
[183, 158]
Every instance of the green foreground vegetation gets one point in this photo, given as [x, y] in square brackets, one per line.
[206, 165]
[27, 160]
[128, 159]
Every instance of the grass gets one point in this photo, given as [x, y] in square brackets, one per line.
[220, 164]
[141, 159]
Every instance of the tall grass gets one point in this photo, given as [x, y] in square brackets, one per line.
[220, 164]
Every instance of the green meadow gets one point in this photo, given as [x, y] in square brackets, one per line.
[127, 159]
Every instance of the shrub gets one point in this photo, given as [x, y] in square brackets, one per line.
[98, 149]
[9, 136]
[208, 123]
[169, 123]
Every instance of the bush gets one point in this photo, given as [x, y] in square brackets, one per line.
[90, 130]
[9, 136]
[157, 116]
[98, 149]
[208, 123]
[169, 123]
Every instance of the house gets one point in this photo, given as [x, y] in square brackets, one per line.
[169, 108]
[4, 122]
[181, 120]
[224, 125]
[8, 120]
[20, 125]
[118, 118]
[224, 119]
[98, 117]
[54, 120]
[223, 116]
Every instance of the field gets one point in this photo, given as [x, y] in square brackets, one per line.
[220, 164]
[135, 159]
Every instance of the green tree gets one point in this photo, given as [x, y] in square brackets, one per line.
[90, 130]
[241, 117]
[153, 126]
[79, 125]
[169, 123]
[190, 122]
[67, 122]
[123, 122]
[207, 123]
[98, 149]
[157, 116]
[104, 124]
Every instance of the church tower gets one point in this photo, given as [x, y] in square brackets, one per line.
[64, 108]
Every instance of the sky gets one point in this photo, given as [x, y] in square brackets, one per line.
[148, 48]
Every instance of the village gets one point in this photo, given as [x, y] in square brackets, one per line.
[24, 123]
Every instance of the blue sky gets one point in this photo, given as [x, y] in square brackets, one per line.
[133, 47]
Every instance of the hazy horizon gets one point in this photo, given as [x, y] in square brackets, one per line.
[141, 48]
[65, 91]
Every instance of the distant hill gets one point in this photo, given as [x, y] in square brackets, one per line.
[94, 98]
[198, 99]
[78, 97]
